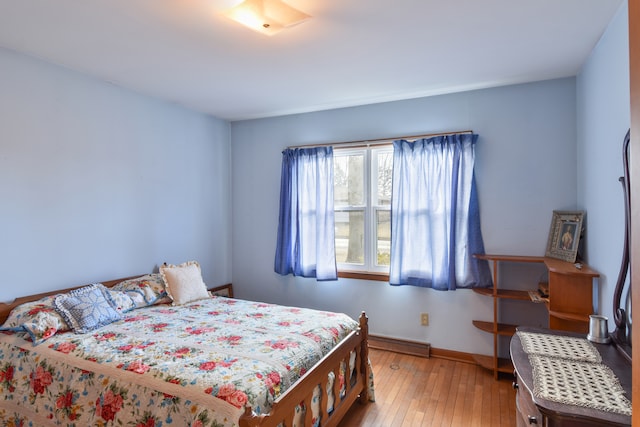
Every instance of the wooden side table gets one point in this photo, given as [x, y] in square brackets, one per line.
[223, 291]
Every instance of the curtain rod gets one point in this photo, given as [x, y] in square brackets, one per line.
[379, 141]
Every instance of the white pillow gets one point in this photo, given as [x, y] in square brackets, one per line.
[184, 282]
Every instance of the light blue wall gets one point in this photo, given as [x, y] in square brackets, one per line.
[603, 119]
[525, 169]
[97, 182]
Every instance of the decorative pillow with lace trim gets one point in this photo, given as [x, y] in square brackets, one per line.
[87, 308]
[184, 282]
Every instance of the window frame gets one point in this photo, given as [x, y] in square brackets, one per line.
[368, 270]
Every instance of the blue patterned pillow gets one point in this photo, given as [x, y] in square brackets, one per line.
[87, 308]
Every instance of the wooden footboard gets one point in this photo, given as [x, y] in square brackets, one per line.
[354, 387]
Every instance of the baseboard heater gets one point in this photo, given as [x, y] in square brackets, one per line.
[413, 348]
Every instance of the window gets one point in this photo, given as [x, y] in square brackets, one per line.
[335, 210]
[362, 206]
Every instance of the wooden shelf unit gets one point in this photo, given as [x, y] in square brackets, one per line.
[569, 304]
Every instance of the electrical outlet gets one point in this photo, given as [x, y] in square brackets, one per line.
[424, 319]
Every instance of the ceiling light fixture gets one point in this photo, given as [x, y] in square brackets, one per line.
[266, 16]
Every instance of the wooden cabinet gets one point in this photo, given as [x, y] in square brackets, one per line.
[569, 302]
[570, 295]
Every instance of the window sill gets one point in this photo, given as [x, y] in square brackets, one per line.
[381, 277]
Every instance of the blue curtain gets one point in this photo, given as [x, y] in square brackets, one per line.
[306, 234]
[435, 222]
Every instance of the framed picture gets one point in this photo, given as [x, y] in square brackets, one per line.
[564, 235]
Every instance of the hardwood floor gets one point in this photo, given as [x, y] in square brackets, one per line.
[415, 391]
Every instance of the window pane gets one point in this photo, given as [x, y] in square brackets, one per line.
[348, 172]
[383, 238]
[349, 237]
[384, 165]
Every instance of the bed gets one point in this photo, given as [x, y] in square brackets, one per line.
[211, 361]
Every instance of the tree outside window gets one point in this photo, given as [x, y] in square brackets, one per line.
[362, 198]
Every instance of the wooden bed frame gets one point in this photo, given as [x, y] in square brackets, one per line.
[355, 384]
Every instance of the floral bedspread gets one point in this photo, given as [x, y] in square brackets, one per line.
[193, 365]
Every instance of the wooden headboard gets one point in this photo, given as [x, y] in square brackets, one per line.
[5, 308]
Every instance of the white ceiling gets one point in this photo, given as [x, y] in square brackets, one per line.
[351, 52]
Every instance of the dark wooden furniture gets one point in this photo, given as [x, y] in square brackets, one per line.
[570, 302]
[634, 163]
[531, 410]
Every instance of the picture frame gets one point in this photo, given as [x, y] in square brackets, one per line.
[564, 235]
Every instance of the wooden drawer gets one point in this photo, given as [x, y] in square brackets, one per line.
[526, 411]
[528, 414]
